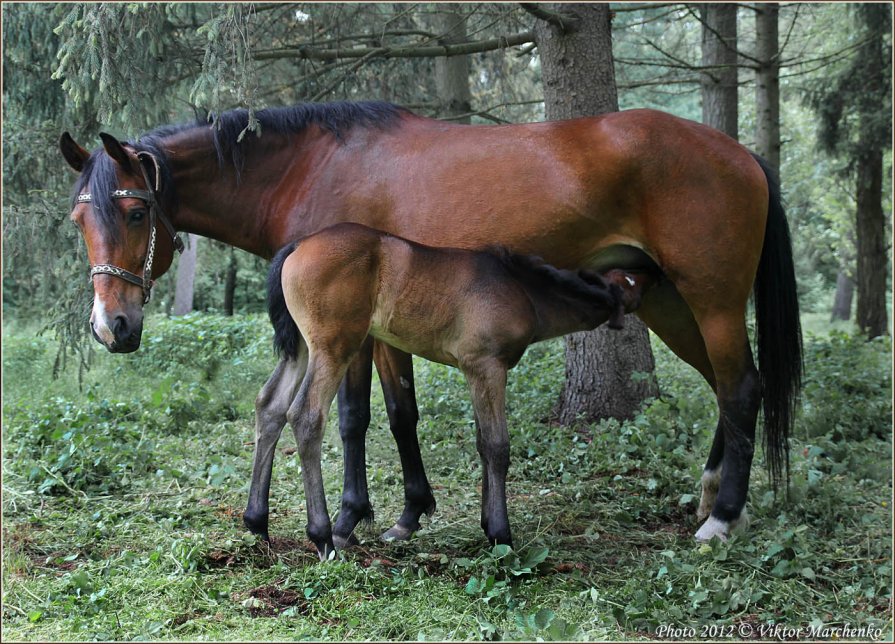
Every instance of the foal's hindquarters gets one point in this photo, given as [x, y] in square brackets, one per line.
[474, 310]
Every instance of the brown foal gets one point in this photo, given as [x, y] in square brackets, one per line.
[474, 310]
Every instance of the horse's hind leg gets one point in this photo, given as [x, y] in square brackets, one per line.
[396, 375]
[739, 398]
[666, 313]
[271, 406]
[354, 419]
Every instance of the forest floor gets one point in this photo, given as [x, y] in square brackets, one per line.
[122, 503]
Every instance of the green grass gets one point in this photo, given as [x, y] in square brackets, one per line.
[122, 504]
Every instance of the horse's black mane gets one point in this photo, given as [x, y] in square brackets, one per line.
[337, 118]
[534, 272]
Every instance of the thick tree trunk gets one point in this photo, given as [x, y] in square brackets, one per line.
[452, 74]
[767, 83]
[845, 290]
[870, 227]
[186, 274]
[579, 80]
[719, 80]
[230, 284]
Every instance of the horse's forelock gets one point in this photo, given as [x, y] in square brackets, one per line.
[100, 178]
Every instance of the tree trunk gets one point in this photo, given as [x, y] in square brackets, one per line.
[870, 227]
[719, 81]
[230, 284]
[767, 83]
[845, 290]
[579, 80]
[452, 74]
[186, 274]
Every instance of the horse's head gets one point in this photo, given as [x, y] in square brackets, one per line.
[129, 240]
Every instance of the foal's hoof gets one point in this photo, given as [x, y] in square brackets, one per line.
[396, 533]
[343, 543]
[257, 525]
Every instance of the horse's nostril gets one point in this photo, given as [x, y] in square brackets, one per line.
[120, 329]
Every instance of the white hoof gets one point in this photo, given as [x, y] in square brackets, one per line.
[396, 533]
[713, 528]
[722, 529]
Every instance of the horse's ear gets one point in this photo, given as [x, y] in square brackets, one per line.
[73, 153]
[115, 149]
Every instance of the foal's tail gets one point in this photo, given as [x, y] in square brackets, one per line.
[778, 332]
[286, 338]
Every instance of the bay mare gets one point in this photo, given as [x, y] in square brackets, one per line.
[474, 310]
[632, 190]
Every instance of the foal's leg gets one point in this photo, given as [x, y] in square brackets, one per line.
[487, 384]
[396, 375]
[307, 415]
[354, 419]
[271, 406]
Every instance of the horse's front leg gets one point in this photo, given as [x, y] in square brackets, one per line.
[487, 385]
[307, 415]
[396, 376]
[354, 419]
[271, 406]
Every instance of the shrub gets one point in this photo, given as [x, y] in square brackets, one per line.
[847, 387]
[66, 447]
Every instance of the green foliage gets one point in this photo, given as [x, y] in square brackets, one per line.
[63, 447]
[227, 56]
[854, 103]
[848, 393]
[203, 342]
[156, 549]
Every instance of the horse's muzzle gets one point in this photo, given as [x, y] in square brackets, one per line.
[126, 335]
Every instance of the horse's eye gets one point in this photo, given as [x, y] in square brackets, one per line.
[136, 216]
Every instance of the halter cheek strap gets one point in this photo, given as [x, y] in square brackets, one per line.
[155, 213]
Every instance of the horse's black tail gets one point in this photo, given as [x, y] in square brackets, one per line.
[778, 332]
[286, 338]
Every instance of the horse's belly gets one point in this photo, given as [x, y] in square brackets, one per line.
[420, 343]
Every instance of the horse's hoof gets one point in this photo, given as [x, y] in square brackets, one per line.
[343, 543]
[713, 528]
[396, 533]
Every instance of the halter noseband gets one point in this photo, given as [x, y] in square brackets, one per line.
[155, 212]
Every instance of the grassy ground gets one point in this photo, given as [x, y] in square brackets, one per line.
[122, 504]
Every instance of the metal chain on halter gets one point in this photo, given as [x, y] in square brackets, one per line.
[149, 196]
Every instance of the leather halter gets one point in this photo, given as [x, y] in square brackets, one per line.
[155, 213]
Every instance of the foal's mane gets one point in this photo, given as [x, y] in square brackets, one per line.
[533, 272]
[337, 118]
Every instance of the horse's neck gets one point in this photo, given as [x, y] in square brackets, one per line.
[212, 203]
